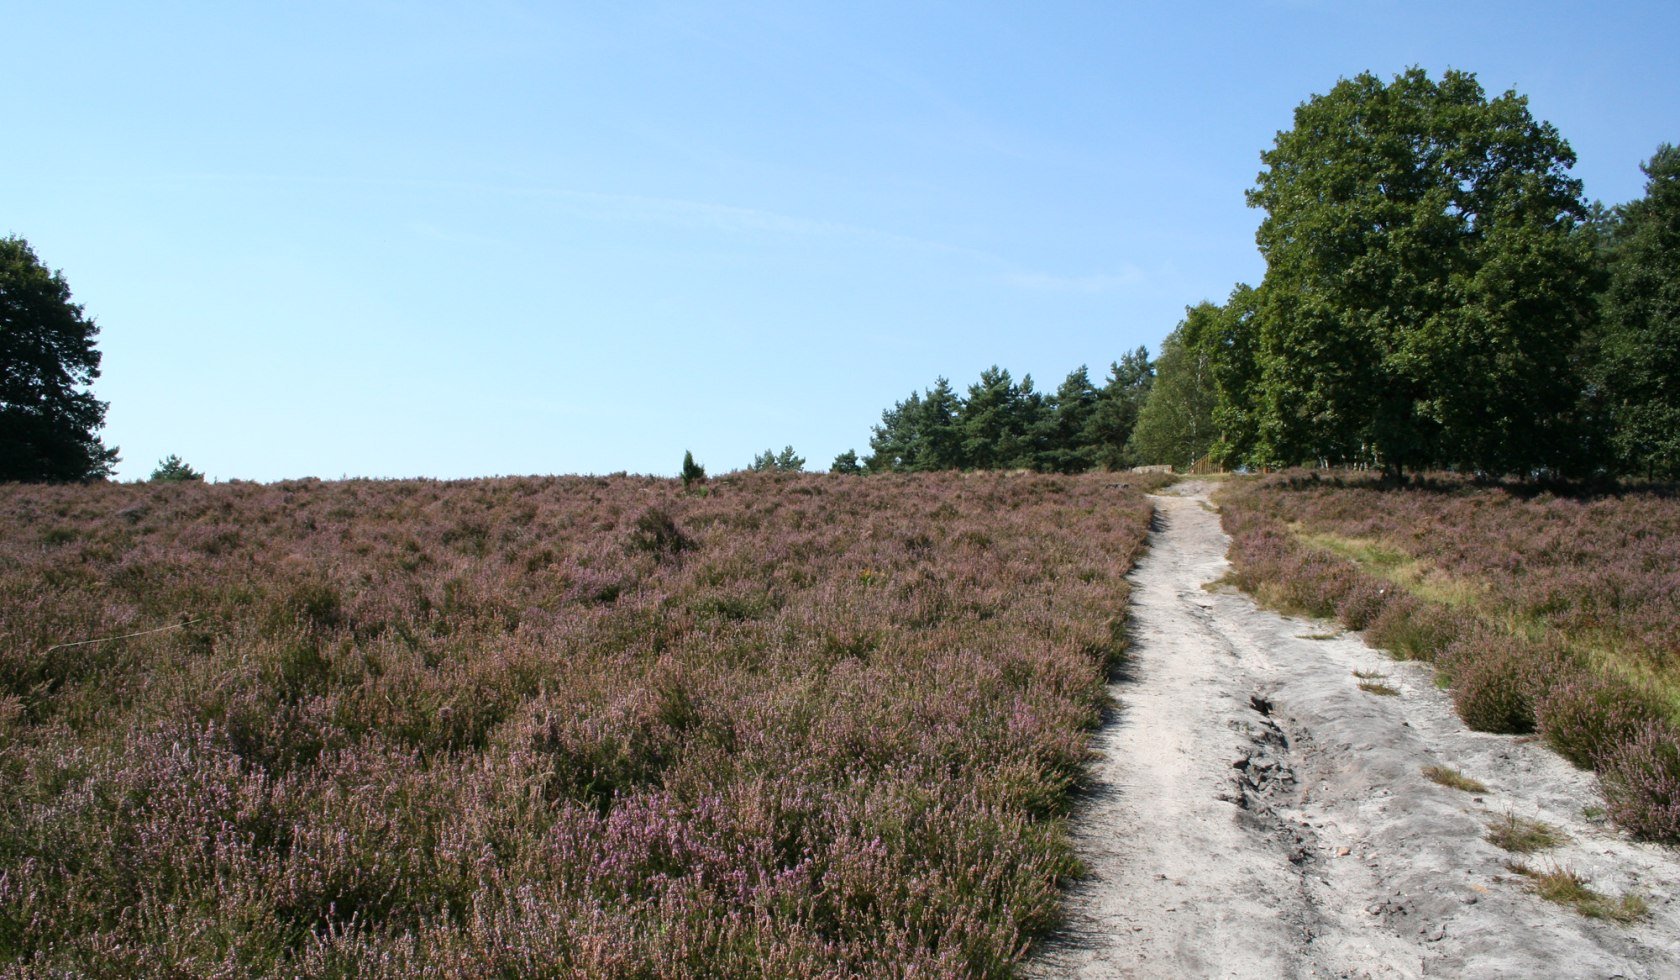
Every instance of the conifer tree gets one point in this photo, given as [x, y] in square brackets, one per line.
[48, 419]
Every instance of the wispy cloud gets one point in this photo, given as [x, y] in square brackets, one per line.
[1101, 282]
[719, 217]
[431, 232]
[716, 217]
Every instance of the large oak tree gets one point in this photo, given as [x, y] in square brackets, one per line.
[1639, 348]
[1425, 288]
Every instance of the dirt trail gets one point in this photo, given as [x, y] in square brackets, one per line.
[1256, 814]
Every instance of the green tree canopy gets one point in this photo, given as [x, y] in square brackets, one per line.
[1638, 369]
[847, 464]
[1231, 343]
[1424, 292]
[1002, 424]
[48, 420]
[770, 461]
[1176, 423]
[172, 469]
[691, 472]
[1063, 445]
[1119, 402]
[996, 418]
[920, 433]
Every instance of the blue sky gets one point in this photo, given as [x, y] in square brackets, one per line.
[414, 239]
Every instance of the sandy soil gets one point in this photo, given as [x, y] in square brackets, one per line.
[1256, 814]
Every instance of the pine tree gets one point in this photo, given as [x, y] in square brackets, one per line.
[48, 420]
[172, 469]
[692, 472]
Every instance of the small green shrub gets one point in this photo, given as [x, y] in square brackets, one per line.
[1363, 602]
[1492, 683]
[172, 469]
[656, 533]
[1412, 629]
[692, 472]
[1641, 779]
[1584, 716]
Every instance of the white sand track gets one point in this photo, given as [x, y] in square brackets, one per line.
[1256, 814]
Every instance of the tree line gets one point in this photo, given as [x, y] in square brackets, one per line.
[1001, 423]
[1438, 295]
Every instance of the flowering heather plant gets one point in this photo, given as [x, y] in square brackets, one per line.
[1583, 716]
[1546, 612]
[806, 726]
[1497, 678]
[1641, 778]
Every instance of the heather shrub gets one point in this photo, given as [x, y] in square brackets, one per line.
[1413, 629]
[1583, 716]
[1641, 780]
[1364, 600]
[1494, 682]
[656, 533]
[489, 728]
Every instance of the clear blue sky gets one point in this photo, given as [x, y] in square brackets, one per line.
[415, 239]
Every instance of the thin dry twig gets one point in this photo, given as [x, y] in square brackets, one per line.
[125, 636]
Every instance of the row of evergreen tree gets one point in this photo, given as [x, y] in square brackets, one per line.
[1005, 424]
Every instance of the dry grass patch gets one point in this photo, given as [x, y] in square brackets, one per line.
[1381, 690]
[1520, 835]
[1565, 887]
[1453, 779]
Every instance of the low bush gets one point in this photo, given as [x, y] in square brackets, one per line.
[1583, 716]
[1363, 602]
[1497, 680]
[1415, 629]
[1641, 779]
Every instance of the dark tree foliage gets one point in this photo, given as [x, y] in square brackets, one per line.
[1176, 424]
[1232, 344]
[919, 434]
[692, 472]
[1118, 403]
[48, 420]
[997, 421]
[1002, 424]
[1062, 432]
[173, 469]
[847, 464]
[1425, 290]
[770, 461]
[1638, 362]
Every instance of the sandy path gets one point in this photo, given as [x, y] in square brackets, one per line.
[1256, 814]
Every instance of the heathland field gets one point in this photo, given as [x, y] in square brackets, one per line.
[1551, 614]
[783, 725]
